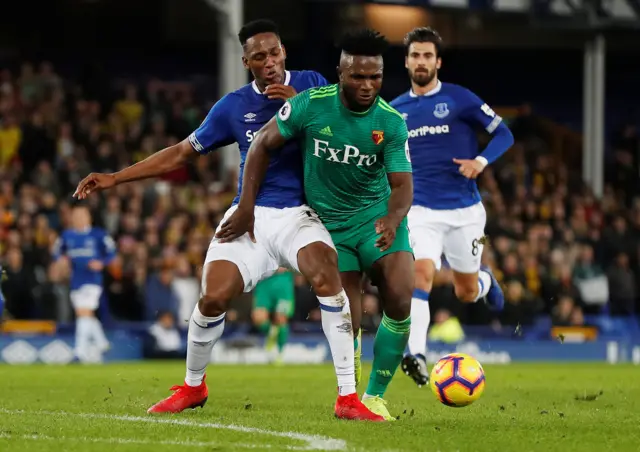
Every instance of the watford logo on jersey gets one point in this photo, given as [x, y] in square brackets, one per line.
[377, 136]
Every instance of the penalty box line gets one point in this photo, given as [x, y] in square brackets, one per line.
[313, 442]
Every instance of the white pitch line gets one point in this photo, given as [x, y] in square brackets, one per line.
[116, 440]
[313, 442]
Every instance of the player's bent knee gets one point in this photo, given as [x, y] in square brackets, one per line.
[222, 282]
[214, 303]
[280, 319]
[400, 310]
[398, 301]
[259, 316]
[83, 312]
[425, 273]
[318, 262]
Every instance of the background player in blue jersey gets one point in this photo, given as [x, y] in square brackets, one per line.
[88, 250]
[287, 233]
[447, 215]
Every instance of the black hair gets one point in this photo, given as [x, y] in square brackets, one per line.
[423, 34]
[365, 42]
[255, 27]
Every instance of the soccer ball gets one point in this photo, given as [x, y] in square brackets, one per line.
[457, 380]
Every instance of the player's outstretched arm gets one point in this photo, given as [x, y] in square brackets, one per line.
[162, 162]
[256, 163]
[478, 112]
[399, 204]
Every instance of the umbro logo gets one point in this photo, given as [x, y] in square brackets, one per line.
[250, 117]
[326, 131]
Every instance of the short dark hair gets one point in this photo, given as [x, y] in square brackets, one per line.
[423, 34]
[366, 42]
[255, 27]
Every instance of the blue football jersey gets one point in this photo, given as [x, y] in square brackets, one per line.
[237, 117]
[442, 126]
[81, 247]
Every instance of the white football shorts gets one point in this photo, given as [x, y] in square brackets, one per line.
[455, 233]
[86, 296]
[279, 233]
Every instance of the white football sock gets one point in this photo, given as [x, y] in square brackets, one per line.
[336, 324]
[420, 320]
[83, 337]
[203, 334]
[484, 284]
[97, 333]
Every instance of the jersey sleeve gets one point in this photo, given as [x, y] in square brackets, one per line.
[396, 151]
[215, 131]
[108, 249]
[476, 111]
[291, 118]
[319, 80]
[59, 248]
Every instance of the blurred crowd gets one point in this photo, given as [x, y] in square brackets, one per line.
[556, 248]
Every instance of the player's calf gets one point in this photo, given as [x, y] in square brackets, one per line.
[466, 288]
[318, 262]
[471, 287]
[394, 276]
[221, 282]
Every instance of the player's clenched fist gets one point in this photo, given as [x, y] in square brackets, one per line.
[94, 182]
[469, 168]
[240, 222]
[278, 91]
[387, 228]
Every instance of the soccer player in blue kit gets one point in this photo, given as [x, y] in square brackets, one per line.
[287, 232]
[447, 215]
[89, 250]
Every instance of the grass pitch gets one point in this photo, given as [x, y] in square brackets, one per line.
[555, 407]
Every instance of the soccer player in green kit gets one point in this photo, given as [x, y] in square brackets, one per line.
[358, 180]
[273, 306]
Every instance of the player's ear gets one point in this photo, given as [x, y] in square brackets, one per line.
[406, 62]
[438, 63]
[339, 73]
[245, 62]
[284, 51]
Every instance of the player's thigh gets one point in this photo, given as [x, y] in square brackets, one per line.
[238, 262]
[86, 297]
[302, 243]
[369, 253]
[463, 243]
[295, 229]
[426, 233]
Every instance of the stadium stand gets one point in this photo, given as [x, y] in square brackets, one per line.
[559, 251]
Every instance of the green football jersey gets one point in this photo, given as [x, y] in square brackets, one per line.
[346, 154]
